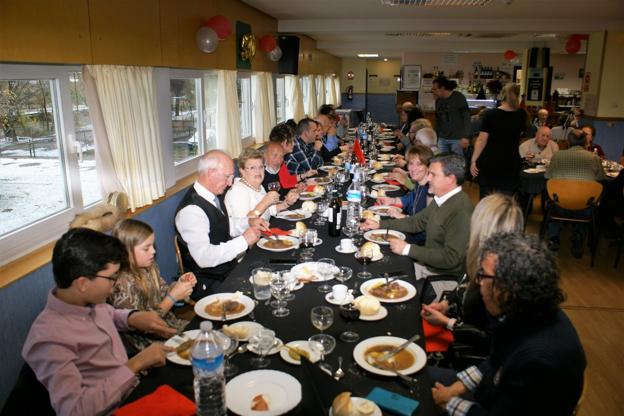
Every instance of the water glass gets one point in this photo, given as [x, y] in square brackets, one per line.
[344, 274]
[229, 345]
[280, 289]
[322, 317]
[321, 207]
[261, 278]
[309, 239]
[262, 342]
[326, 268]
[323, 344]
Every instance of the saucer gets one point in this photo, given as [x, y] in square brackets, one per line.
[348, 299]
[381, 314]
[339, 250]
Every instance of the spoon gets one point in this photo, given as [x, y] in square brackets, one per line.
[239, 350]
[339, 373]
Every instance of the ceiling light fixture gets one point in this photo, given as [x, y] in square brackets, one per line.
[368, 55]
[385, 59]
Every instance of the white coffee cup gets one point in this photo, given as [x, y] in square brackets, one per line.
[346, 244]
[339, 292]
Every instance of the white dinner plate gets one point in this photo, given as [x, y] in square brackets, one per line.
[330, 298]
[313, 270]
[309, 196]
[296, 215]
[370, 233]
[303, 345]
[179, 339]
[386, 148]
[381, 314]
[420, 357]
[262, 243]
[330, 168]
[386, 187]
[357, 400]
[534, 170]
[384, 158]
[201, 304]
[381, 210]
[370, 284]
[250, 328]
[277, 346]
[281, 391]
[319, 181]
[298, 286]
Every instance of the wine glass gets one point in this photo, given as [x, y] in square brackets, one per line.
[364, 257]
[322, 317]
[323, 344]
[350, 314]
[280, 289]
[326, 268]
[292, 281]
[229, 345]
[274, 186]
[321, 207]
[309, 240]
[262, 341]
[344, 274]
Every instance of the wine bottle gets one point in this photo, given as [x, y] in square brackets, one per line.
[334, 218]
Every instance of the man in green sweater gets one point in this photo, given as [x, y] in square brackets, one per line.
[446, 221]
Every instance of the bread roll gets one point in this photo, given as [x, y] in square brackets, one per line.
[309, 206]
[371, 249]
[300, 228]
[377, 165]
[379, 177]
[342, 405]
[367, 305]
[381, 192]
[370, 215]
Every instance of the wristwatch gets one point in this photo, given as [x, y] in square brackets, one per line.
[256, 212]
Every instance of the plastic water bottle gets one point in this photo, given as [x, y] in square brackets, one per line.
[354, 198]
[209, 382]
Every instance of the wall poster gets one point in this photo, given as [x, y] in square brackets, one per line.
[410, 77]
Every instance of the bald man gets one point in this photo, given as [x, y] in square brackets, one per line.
[273, 159]
[540, 147]
[204, 229]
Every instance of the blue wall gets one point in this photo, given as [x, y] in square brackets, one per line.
[381, 106]
[21, 302]
[611, 139]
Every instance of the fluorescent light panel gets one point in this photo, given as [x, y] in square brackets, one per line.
[368, 55]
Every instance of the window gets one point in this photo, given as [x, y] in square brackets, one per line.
[243, 87]
[47, 154]
[280, 99]
[303, 82]
[210, 102]
[186, 132]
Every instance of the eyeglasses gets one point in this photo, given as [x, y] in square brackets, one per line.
[482, 276]
[112, 278]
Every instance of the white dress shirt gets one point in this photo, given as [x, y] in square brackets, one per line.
[241, 199]
[194, 227]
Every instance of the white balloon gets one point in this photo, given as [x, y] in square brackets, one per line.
[275, 54]
[207, 39]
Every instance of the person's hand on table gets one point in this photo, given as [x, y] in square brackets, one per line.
[529, 156]
[397, 245]
[442, 394]
[369, 224]
[251, 235]
[398, 175]
[395, 212]
[387, 200]
[153, 356]
[434, 316]
[260, 224]
[150, 322]
[397, 157]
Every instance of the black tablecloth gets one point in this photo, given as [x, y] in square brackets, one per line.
[403, 320]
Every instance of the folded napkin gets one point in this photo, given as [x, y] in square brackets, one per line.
[275, 231]
[393, 182]
[437, 338]
[164, 401]
[310, 188]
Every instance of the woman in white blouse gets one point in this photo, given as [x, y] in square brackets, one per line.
[247, 197]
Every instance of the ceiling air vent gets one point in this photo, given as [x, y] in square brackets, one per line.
[417, 34]
[465, 3]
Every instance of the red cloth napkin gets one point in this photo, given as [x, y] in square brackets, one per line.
[164, 401]
[357, 149]
[275, 231]
[437, 338]
[310, 188]
[393, 182]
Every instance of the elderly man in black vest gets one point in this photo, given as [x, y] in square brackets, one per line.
[203, 227]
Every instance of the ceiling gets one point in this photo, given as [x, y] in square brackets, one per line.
[345, 28]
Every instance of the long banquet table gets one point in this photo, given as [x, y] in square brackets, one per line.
[403, 321]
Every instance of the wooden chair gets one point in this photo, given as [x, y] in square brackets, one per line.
[573, 195]
[178, 255]
[186, 311]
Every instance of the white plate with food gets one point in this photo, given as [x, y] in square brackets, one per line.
[327, 168]
[535, 170]
[384, 157]
[397, 291]
[362, 406]
[408, 361]
[291, 352]
[380, 236]
[242, 330]
[314, 271]
[309, 196]
[324, 180]
[262, 393]
[380, 177]
[298, 286]
[235, 305]
[386, 187]
[184, 344]
[275, 348]
[279, 243]
[383, 210]
[294, 215]
[387, 148]
[381, 313]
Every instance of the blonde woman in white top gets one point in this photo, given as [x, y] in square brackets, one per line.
[247, 197]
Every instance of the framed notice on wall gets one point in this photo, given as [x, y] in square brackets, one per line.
[411, 77]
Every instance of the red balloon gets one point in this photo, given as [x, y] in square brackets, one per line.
[221, 25]
[573, 45]
[509, 54]
[267, 43]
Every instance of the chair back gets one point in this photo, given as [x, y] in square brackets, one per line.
[558, 133]
[573, 195]
[178, 255]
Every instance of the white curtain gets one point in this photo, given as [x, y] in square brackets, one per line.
[127, 98]
[263, 101]
[331, 92]
[320, 90]
[337, 91]
[311, 107]
[294, 97]
[228, 114]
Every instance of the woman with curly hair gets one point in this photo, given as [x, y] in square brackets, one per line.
[536, 363]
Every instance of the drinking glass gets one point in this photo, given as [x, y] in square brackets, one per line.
[326, 268]
[280, 290]
[364, 258]
[350, 314]
[321, 207]
[262, 341]
[261, 278]
[323, 344]
[274, 186]
[309, 239]
[229, 369]
[292, 281]
[344, 274]
[322, 317]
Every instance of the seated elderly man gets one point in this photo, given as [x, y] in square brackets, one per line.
[446, 221]
[305, 155]
[204, 229]
[247, 198]
[537, 362]
[540, 147]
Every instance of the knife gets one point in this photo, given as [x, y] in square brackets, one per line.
[389, 354]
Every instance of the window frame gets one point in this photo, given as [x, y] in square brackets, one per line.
[248, 140]
[280, 98]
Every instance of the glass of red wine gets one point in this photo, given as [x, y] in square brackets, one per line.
[364, 257]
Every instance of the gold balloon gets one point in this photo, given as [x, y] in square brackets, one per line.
[248, 47]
